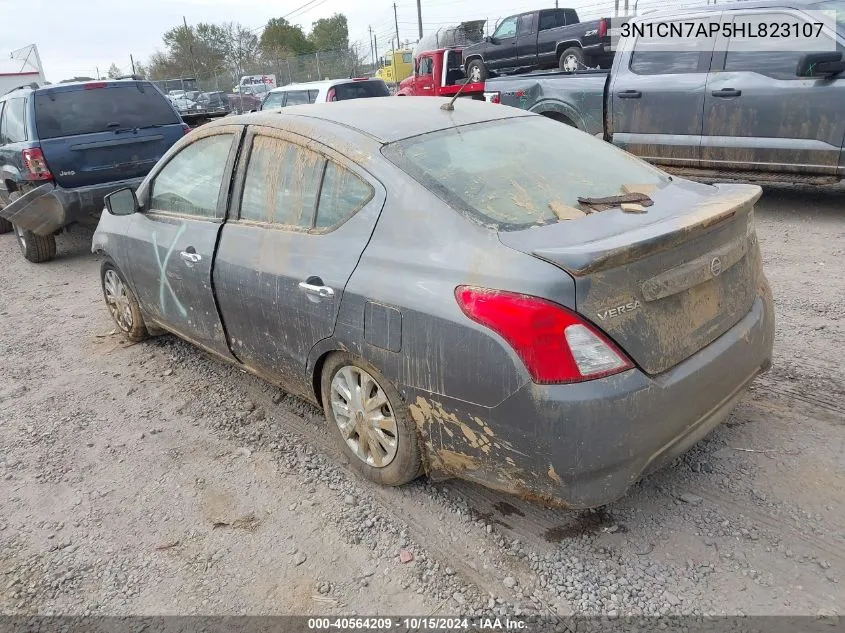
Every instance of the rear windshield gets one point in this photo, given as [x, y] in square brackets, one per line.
[85, 111]
[521, 172]
[361, 90]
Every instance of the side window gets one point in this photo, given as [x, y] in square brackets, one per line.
[567, 16]
[342, 194]
[426, 66]
[526, 24]
[14, 120]
[651, 55]
[645, 62]
[406, 58]
[297, 97]
[190, 183]
[282, 182]
[506, 28]
[766, 55]
[548, 20]
[312, 96]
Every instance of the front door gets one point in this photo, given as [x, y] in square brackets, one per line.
[304, 218]
[502, 51]
[657, 102]
[424, 81]
[172, 241]
[760, 115]
[526, 40]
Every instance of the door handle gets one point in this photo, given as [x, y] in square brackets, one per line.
[318, 291]
[191, 258]
[726, 92]
[630, 94]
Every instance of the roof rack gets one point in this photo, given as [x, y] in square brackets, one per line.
[30, 86]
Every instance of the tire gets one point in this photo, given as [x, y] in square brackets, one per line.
[5, 226]
[35, 248]
[403, 463]
[554, 116]
[476, 67]
[571, 59]
[122, 304]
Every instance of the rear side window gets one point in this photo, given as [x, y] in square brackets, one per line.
[282, 183]
[645, 62]
[14, 121]
[549, 20]
[342, 194]
[361, 90]
[511, 174]
[526, 24]
[190, 183]
[297, 97]
[87, 111]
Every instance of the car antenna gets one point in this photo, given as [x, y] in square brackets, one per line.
[451, 105]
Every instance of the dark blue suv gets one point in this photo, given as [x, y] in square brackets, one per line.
[64, 147]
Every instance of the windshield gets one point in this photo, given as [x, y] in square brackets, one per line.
[273, 100]
[520, 172]
[116, 107]
[833, 5]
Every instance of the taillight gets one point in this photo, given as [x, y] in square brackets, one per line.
[95, 85]
[493, 97]
[331, 96]
[186, 128]
[33, 160]
[555, 344]
[602, 28]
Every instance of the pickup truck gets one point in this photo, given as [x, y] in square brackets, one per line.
[439, 73]
[550, 38]
[757, 115]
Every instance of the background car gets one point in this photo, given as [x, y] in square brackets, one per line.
[64, 147]
[324, 91]
[538, 321]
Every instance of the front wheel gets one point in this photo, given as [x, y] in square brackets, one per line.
[476, 71]
[370, 422]
[122, 304]
[572, 59]
[35, 248]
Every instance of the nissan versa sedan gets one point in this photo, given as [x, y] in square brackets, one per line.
[476, 292]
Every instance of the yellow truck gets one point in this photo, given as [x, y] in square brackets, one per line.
[396, 66]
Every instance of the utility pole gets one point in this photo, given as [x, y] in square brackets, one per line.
[98, 72]
[132, 60]
[372, 50]
[616, 9]
[419, 17]
[396, 21]
[626, 7]
[375, 44]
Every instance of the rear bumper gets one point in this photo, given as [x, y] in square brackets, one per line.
[584, 445]
[48, 208]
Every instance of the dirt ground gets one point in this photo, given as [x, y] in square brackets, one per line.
[149, 479]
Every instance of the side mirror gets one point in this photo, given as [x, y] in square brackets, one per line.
[122, 202]
[492, 40]
[820, 64]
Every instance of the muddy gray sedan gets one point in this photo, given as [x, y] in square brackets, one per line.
[478, 292]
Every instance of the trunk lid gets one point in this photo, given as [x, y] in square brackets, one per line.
[105, 131]
[665, 283]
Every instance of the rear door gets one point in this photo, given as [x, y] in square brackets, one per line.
[305, 216]
[104, 131]
[172, 241]
[549, 19]
[656, 97]
[760, 114]
[526, 40]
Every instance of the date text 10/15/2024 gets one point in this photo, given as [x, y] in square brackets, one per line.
[415, 624]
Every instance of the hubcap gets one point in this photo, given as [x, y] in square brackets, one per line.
[570, 63]
[117, 299]
[475, 74]
[363, 416]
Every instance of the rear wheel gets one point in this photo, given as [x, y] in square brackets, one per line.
[370, 422]
[572, 59]
[36, 248]
[476, 71]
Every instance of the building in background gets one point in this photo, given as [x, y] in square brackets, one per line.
[21, 68]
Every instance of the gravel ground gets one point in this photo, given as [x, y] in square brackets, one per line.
[149, 479]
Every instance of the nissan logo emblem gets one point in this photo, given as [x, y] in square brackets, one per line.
[716, 266]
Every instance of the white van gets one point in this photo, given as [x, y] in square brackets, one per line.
[323, 91]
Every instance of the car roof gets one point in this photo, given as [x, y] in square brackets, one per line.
[317, 85]
[385, 119]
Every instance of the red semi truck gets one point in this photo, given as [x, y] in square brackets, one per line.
[440, 73]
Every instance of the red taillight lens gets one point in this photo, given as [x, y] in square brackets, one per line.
[493, 97]
[556, 345]
[95, 85]
[603, 28]
[186, 128]
[331, 96]
[33, 160]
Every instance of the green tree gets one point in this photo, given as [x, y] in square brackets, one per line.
[242, 48]
[281, 39]
[330, 34]
[114, 72]
[72, 79]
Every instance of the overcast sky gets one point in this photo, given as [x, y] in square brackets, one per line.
[76, 36]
